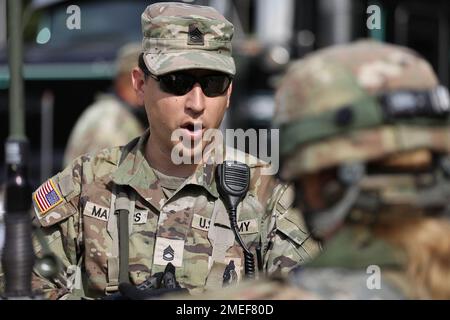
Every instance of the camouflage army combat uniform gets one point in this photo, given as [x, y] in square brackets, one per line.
[106, 123]
[166, 224]
[345, 269]
[171, 219]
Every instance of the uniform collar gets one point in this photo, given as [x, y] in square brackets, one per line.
[135, 172]
[204, 177]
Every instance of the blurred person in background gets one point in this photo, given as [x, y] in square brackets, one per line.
[114, 118]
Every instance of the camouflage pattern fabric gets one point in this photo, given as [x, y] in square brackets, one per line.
[341, 272]
[342, 284]
[106, 123]
[333, 78]
[75, 223]
[273, 288]
[345, 269]
[179, 36]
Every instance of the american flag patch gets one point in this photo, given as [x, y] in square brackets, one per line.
[47, 196]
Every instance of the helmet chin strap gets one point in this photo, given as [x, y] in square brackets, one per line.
[323, 221]
[430, 199]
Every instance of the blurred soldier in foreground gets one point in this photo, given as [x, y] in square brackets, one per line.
[365, 138]
[115, 118]
[127, 214]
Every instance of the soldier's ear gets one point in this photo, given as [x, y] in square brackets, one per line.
[138, 78]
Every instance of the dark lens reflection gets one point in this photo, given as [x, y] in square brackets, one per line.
[318, 191]
[181, 83]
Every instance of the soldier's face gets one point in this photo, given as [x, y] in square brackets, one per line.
[316, 193]
[311, 188]
[319, 190]
[168, 112]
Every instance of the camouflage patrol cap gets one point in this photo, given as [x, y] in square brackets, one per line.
[180, 36]
[329, 111]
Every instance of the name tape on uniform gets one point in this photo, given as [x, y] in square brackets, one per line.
[96, 211]
[248, 226]
[168, 250]
[245, 227]
[200, 222]
[140, 216]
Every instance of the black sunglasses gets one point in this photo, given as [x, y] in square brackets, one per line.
[180, 83]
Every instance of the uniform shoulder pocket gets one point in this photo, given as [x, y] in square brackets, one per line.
[290, 221]
[291, 225]
[53, 200]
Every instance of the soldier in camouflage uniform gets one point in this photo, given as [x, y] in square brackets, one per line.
[365, 138]
[171, 208]
[114, 118]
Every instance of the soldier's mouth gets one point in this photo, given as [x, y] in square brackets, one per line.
[193, 130]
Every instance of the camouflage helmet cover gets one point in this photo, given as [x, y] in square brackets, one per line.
[178, 36]
[321, 84]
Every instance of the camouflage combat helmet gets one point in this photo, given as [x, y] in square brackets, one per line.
[358, 102]
[341, 108]
[180, 36]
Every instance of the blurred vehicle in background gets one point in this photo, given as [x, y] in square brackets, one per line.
[64, 68]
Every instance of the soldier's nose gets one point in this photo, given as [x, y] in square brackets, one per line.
[195, 99]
